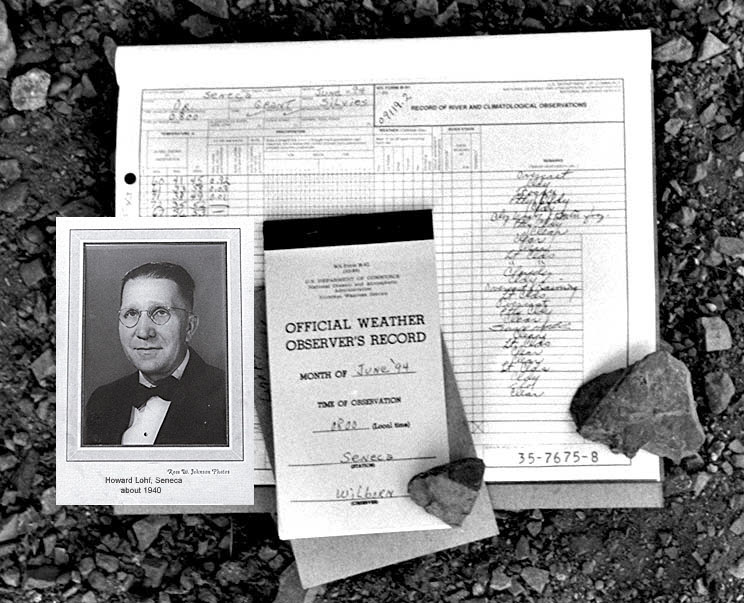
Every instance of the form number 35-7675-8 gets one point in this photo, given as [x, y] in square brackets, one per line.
[560, 457]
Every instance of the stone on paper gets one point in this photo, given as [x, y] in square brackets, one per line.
[448, 491]
[648, 405]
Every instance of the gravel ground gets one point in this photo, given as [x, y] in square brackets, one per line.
[58, 160]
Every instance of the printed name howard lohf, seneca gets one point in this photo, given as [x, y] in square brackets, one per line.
[142, 480]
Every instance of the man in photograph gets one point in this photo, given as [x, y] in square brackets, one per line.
[174, 398]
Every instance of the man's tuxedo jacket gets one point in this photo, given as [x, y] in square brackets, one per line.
[196, 417]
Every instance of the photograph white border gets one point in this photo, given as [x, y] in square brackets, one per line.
[72, 235]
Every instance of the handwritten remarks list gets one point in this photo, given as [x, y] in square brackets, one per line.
[533, 284]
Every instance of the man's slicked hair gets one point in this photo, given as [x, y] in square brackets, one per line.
[164, 270]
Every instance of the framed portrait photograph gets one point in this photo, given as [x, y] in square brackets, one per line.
[155, 360]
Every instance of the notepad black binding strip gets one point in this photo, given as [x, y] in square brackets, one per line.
[353, 229]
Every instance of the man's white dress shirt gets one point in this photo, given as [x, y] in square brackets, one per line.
[145, 422]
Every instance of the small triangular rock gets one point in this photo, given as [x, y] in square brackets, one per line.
[719, 389]
[738, 526]
[697, 172]
[535, 578]
[44, 366]
[708, 114]
[9, 528]
[448, 491]
[146, 530]
[216, 8]
[369, 5]
[109, 50]
[711, 47]
[648, 405]
[678, 50]
[448, 14]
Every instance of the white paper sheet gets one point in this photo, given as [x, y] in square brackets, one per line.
[535, 153]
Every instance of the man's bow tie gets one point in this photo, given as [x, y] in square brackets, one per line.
[167, 389]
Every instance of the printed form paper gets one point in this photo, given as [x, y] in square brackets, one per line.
[355, 358]
[534, 152]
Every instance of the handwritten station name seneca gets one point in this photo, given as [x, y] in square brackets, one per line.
[346, 324]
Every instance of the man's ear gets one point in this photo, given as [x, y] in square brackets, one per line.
[191, 327]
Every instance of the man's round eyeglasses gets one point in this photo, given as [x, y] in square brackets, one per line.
[159, 315]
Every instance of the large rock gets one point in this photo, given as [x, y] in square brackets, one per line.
[448, 491]
[648, 405]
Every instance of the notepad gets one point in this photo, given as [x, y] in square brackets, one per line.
[355, 360]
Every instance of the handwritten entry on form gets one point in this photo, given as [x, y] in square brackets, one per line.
[534, 153]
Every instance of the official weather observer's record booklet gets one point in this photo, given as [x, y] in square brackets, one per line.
[355, 358]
